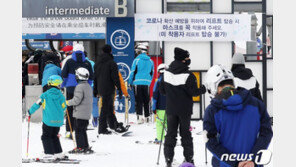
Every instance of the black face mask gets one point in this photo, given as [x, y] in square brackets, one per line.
[187, 62]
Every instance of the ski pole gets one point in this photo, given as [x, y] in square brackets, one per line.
[28, 136]
[162, 123]
[206, 154]
[71, 128]
[162, 131]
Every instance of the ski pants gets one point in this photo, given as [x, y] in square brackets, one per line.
[107, 114]
[183, 123]
[80, 133]
[160, 120]
[142, 99]
[70, 112]
[51, 142]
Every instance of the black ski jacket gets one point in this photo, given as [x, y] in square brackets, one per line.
[244, 79]
[106, 75]
[179, 85]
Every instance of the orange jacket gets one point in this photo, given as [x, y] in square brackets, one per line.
[122, 85]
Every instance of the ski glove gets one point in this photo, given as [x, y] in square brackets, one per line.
[203, 89]
[29, 113]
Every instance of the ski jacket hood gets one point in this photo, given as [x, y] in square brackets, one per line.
[240, 71]
[78, 56]
[49, 70]
[177, 67]
[235, 102]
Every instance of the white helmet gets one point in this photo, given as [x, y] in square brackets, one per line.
[141, 48]
[215, 75]
[82, 74]
[161, 68]
[78, 47]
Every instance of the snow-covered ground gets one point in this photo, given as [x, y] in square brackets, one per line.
[116, 151]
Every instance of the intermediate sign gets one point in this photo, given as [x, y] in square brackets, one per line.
[192, 27]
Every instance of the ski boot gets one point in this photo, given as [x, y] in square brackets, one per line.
[88, 150]
[48, 158]
[105, 132]
[169, 162]
[76, 151]
[60, 156]
[156, 141]
[140, 120]
[120, 128]
[189, 160]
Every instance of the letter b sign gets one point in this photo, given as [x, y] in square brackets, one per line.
[120, 8]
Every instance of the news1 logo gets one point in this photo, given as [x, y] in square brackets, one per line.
[262, 157]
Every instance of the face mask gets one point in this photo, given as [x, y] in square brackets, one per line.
[187, 62]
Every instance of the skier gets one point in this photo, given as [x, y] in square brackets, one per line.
[68, 50]
[243, 76]
[106, 79]
[50, 69]
[141, 75]
[68, 73]
[179, 85]
[159, 104]
[82, 102]
[235, 121]
[54, 104]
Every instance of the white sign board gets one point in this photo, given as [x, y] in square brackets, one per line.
[192, 27]
[64, 25]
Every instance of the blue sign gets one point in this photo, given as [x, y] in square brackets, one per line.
[120, 35]
[38, 45]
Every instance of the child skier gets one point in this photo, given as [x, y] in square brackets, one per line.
[236, 122]
[158, 106]
[82, 102]
[54, 105]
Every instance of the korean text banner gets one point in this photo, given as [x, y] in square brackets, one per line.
[192, 27]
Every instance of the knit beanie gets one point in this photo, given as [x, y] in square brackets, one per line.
[238, 58]
[180, 54]
[106, 48]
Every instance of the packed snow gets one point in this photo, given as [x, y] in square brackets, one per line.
[115, 150]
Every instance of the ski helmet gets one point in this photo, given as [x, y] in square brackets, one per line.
[215, 75]
[78, 47]
[55, 80]
[82, 74]
[186, 164]
[161, 68]
[141, 48]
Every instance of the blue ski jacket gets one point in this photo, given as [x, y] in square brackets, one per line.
[142, 70]
[239, 124]
[49, 70]
[54, 104]
[68, 71]
[159, 100]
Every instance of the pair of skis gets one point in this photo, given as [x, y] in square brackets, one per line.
[41, 160]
